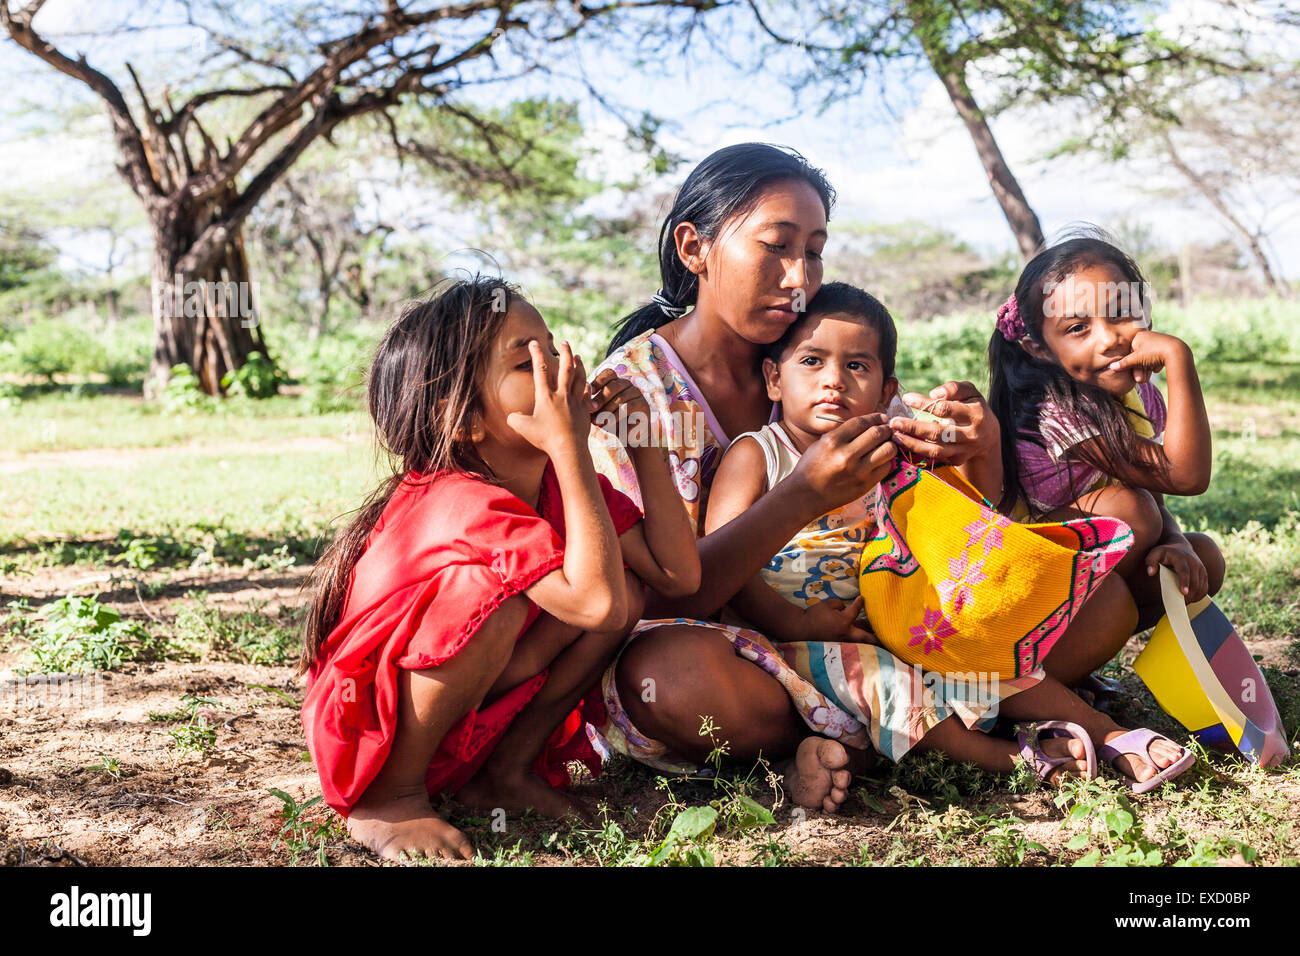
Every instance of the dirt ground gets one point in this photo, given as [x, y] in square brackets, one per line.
[99, 783]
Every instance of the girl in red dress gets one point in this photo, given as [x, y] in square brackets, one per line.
[462, 618]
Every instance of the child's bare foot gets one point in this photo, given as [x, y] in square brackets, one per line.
[818, 777]
[1162, 751]
[516, 792]
[405, 823]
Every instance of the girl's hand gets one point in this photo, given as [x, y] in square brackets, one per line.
[1151, 352]
[834, 620]
[974, 431]
[847, 462]
[609, 393]
[561, 415]
[1193, 579]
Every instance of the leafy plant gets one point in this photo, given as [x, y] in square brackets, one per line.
[194, 733]
[184, 393]
[81, 635]
[1124, 842]
[300, 835]
[249, 636]
[258, 377]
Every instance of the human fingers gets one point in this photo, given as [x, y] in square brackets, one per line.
[935, 433]
[858, 635]
[880, 461]
[852, 428]
[578, 385]
[602, 378]
[874, 432]
[541, 382]
[935, 452]
[1178, 563]
[951, 391]
[564, 380]
[612, 394]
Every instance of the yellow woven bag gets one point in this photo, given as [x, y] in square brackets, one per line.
[951, 586]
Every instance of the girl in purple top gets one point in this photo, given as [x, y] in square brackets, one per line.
[1084, 429]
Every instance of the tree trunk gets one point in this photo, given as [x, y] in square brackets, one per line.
[1020, 216]
[206, 319]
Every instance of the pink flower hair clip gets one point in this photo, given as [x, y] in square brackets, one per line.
[1009, 322]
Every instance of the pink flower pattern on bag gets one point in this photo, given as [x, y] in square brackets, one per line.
[987, 528]
[958, 589]
[932, 633]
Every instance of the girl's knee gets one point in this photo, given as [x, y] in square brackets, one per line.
[502, 628]
[1137, 508]
[1211, 557]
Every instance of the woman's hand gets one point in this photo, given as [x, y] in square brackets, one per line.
[973, 432]
[834, 620]
[609, 393]
[561, 415]
[1151, 352]
[1193, 579]
[845, 463]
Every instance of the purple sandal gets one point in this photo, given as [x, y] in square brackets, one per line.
[1138, 743]
[1028, 734]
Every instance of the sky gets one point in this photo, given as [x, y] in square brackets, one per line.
[910, 161]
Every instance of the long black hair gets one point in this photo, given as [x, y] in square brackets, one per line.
[726, 183]
[1019, 383]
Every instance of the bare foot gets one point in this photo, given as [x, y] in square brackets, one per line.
[406, 823]
[818, 777]
[513, 792]
[1163, 753]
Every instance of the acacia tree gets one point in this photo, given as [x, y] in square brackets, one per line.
[305, 68]
[1222, 123]
[1028, 50]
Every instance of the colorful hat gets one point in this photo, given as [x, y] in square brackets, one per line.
[1203, 675]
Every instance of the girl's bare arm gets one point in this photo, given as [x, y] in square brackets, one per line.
[1183, 463]
[661, 548]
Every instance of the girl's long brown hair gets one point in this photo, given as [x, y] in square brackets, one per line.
[422, 394]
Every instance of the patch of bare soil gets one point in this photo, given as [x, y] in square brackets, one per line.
[96, 781]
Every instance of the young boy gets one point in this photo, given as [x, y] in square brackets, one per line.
[834, 363]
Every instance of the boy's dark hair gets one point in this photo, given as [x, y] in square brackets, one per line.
[726, 183]
[422, 392]
[1020, 383]
[840, 298]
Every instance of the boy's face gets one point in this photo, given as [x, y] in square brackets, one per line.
[830, 372]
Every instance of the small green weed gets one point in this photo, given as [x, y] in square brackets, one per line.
[194, 732]
[299, 835]
[81, 635]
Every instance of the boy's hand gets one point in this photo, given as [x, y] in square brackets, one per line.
[1151, 352]
[561, 417]
[609, 393]
[1193, 579]
[834, 620]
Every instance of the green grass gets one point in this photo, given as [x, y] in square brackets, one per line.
[60, 421]
[255, 493]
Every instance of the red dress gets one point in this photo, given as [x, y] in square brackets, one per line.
[447, 550]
